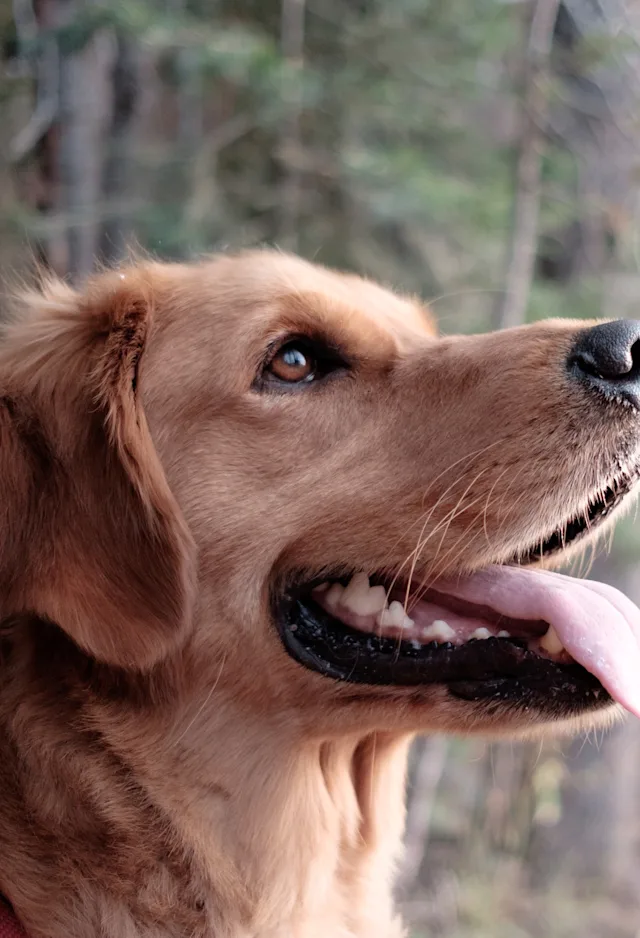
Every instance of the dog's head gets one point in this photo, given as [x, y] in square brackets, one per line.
[285, 474]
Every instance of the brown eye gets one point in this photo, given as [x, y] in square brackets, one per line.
[300, 362]
[293, 363]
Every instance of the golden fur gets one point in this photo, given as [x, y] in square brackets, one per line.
[166, 770]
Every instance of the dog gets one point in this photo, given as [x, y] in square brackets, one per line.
[261, 526]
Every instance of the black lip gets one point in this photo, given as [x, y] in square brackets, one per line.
[582, 525]
[498, 670]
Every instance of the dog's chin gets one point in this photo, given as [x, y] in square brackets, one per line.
[499, 666]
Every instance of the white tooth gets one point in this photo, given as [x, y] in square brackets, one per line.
[359, 583]
[481, 633]
[439, 631]
[363, 599]
[333, 596]
[550, 641]
[395, 616]
[504, 634]
[441, 624]
[375, 601]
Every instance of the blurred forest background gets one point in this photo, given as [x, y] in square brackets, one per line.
[484, 153]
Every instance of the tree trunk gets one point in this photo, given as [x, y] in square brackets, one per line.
[431, 760]
[522, 249]
[119, 168]
[83, 111]
[41, 134]
[292, 45]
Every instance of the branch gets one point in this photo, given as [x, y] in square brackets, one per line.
[39, 123]
[47, 90]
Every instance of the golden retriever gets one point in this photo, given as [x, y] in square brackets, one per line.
[260, 525]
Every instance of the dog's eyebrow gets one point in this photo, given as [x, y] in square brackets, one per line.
[353, 329]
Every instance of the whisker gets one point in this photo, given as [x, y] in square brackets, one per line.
[204, 702]
[428, 517]
[446, 521]
[424, 518]
[486, 508]
[431, 576]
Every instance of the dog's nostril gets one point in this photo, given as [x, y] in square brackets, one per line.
[608, 369]
[608, 357]
[635, 359]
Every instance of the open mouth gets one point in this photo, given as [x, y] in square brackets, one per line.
[480, 653]
[507, 634]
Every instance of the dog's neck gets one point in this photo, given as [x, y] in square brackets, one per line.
[193, 819]
[306, 845]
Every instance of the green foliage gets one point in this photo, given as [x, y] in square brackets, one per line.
[402, 151]
[388, 145]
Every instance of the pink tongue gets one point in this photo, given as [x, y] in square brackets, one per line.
[599, 627]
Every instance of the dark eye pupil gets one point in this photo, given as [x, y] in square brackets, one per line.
[294, 358]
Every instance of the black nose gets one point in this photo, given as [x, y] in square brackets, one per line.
[607, 357]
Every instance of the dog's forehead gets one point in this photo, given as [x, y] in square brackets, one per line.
[280, 286]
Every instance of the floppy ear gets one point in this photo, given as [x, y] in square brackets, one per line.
[92, 537]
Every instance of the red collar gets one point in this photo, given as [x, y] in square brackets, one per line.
[10, 927]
